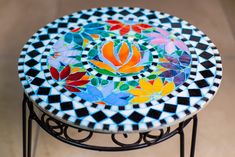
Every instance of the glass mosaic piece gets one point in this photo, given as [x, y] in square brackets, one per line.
[151, 69]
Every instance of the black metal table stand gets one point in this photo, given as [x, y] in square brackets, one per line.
[60, 131]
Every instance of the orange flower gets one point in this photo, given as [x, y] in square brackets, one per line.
[124, 62]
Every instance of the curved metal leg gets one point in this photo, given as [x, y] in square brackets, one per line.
[27, 134]
[194, 136]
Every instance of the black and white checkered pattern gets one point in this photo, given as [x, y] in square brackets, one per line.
[185, 101]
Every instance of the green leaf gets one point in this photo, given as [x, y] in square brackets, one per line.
[104, 34]
[116, 84]
[94, 81]
[106, 72]
[147, 31]
[143, 47]
[160, 55]
[78, 65]
[78, 58]
[92, 53]
[179, 53]
[133, 83]
[124, 87]
[104, 82]
[138, 36]
[151, 77]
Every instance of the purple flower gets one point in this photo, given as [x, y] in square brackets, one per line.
[63, 54]
[176, 68]
[168, 40]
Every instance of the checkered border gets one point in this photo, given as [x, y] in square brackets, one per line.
[153, 117]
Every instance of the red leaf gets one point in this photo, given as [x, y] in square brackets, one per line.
[115, 27]
[136, 28]
[65, 72]
[54, 73]
[125, 30]
[114, 22]
[144, 26]
[78, 83]
[76, 29]
[75, 76]
[72, 89]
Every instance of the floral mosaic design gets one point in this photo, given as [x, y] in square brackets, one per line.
[70, 79]
[121, 58]
[126, 27]
[118, 58]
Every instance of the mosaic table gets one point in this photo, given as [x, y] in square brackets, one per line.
[117, 70]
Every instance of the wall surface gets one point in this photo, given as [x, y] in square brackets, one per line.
[21, 18]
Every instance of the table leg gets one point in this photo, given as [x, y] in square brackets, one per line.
[194, 136]
[26, 127]
[29, 136]
[24, 103]
[27, 130]
[181, 133]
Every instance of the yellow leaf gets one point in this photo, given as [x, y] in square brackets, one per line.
[146, 86]
[85, 77]
[157, 85]
[95, 35]
[86, 41]
[163, 60]
[138, 100]
[168, 88]
[139, 92]
[75, 70]
[162, 69]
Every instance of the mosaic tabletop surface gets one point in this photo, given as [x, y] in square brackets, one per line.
[120, 69]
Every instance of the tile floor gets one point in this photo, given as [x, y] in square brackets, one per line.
[20, 19]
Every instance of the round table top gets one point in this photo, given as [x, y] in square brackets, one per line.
[120, 69]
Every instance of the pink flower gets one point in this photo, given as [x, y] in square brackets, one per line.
[169, 40]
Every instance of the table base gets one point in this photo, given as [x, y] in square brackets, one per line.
[61, 131]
